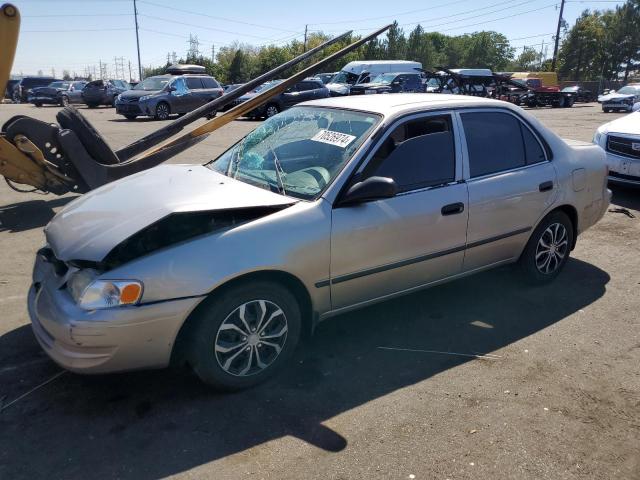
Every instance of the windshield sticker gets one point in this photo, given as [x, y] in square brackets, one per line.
[333, 138]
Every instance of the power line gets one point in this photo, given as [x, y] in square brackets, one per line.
[173, 21]
[391, 15]
[200, 14]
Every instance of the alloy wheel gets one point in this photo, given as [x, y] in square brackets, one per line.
[552, 248]
[251, 338]
[64, 101]
[271, 111]
[162, 111]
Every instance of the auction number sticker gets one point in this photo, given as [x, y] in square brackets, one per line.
[333, 138]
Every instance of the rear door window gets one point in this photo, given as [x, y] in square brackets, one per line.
[417, 154]
[498, 141]
[494, 142]
[194, 83]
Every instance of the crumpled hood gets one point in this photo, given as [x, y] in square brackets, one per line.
[614, 96]
[92, 225]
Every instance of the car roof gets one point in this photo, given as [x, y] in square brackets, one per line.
[399, 103]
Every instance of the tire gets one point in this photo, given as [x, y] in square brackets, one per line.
[162, 111]
[606, 110]
[554, 230]
[130, 117]
[38, 104]
[532, 103]
[271, 110]
[113, 101]
[92, 105]
[569, 102]
[16, 98]
[64, 101]
[217, 326]
[92, 141]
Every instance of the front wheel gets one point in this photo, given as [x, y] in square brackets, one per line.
[548, 249]
[130, 117]
[241, 338]
[38, 104]
[162, 111]
[64, 101]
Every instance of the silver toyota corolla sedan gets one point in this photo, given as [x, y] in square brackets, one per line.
[329, 206]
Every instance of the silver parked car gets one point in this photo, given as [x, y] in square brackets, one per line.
[331, 205]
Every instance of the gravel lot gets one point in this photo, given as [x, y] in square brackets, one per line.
[554, 393]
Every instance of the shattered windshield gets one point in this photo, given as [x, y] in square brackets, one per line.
[345, 78]
[384, 78]
[628, 90]
[297, 152]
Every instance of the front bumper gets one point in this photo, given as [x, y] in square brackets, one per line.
[43, 99]
[623, 170]
[102, 341]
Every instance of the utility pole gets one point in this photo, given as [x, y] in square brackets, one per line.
[135, 15]
[541, 58]
[555, 48]
[305, 37]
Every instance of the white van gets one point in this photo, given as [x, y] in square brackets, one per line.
[364, 71]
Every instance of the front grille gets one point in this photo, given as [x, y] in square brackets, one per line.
[129, 99]
[622, 176]
[624, 146]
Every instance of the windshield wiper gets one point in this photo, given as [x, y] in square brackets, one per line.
[279, 171]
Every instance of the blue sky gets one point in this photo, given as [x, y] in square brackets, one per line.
[79, 34]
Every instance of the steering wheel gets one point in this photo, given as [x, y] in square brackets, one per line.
[320, 174]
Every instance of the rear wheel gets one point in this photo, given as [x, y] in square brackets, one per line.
[162, 111]
[245, 336]
[271, 110]
[548, 249]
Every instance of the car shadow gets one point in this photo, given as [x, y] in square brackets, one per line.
[625, 196]
[22, 216]
[156, 424]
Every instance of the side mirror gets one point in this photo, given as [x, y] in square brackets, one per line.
[373, 188]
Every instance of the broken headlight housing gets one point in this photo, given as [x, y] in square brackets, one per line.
[93, 294]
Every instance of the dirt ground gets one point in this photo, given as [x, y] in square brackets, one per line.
[481, 378]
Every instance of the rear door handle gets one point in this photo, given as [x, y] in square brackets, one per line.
[545, 186]
[452, 209]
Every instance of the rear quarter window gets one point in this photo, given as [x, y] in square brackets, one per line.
[210, 82]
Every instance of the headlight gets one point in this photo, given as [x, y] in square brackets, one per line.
[597, 137]
[144, 98]
[92, 294]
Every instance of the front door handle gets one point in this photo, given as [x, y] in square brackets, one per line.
[452, 209]
[545, 186]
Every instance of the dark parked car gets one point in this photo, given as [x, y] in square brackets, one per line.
[8, 91]
[58, 93]
[390, 83]
[164, 95]
[308, 89]
[24, 86]
[581, 94]
[103, 92]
